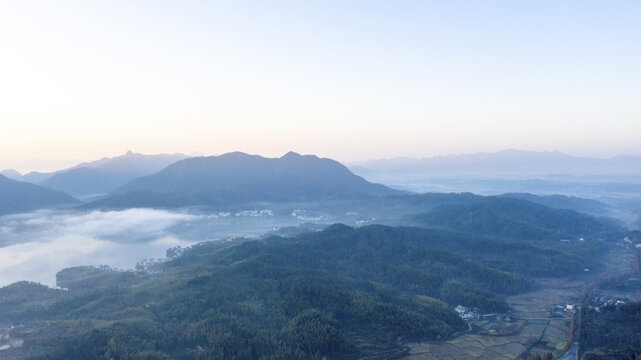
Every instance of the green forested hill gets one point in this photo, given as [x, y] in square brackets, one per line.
[587, 206]
[239, 177]
[17, 196]
[613, 333]
[314, 295]
[519, 219]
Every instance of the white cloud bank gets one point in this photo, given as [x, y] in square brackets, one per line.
[38, 245]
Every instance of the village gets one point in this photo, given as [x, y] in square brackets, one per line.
[6, 341]
[467, 314]
[599, 302]
[564, 310]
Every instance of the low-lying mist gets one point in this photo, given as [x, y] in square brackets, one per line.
[35, 246]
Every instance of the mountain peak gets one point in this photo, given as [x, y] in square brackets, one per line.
[236, 155]
[17, 196]
[107, 174]
[11, 174]
[291, 155]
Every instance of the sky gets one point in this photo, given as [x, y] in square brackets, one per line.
[350, 80]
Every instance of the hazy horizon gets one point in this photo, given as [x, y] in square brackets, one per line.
[52, 165]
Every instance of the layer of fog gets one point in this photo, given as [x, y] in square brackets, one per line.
[589, 188]
[623, 199]
[35, 246]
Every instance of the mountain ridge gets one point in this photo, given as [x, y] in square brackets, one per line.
[100, 176]
[18, 196]
[238, 176]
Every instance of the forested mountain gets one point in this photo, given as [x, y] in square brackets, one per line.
[319, 294]
[85, 181]
[519, 219]
[35, 177]
[105, 175]
[587, 206]
[239, 177]
[612, 333]
[17, 196]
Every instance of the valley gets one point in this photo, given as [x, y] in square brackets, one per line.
[202, 260]
[541, 327]
[320, 180]
[403, 271]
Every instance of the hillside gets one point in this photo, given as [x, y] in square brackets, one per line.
[612, 332]
[17, 196]
[587, 206]
[329, 293]
[85, 181]
[239, 177]
[105, 175]
[11, 174]
[519, 219]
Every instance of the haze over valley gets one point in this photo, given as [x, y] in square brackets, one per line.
[320, 180]
[163, 220]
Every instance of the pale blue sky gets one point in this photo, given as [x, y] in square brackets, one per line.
[351, 80]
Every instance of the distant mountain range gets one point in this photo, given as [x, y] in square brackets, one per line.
[136, 180]
[100, 176]
[239, 177]
[11, 174]
[507, 163]
[17, 196]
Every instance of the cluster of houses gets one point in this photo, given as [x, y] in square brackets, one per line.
[221, 214]
[466, 313]
[243, 213]
[254, 213]
[305, 215]
[567, 308]
[364, 221]
[6, 341]
[600, 301]
[627, 242]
